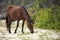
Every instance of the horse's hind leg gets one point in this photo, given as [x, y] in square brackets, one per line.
[23, 26]
[17, 26]
[9, 27]
[8, 23]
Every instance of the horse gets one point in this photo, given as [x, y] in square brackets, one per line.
[17, 13]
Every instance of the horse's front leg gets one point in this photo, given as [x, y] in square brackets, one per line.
[16, 26]
[23, 26]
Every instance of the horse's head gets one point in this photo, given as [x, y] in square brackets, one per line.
[31, 30]
[30, 26]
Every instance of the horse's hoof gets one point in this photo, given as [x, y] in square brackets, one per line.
[32, 32]
[14, 32]
[9, 32]
[22, 32]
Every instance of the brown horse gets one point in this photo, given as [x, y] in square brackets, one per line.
[18, 13]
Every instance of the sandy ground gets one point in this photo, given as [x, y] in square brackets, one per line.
[39, 34]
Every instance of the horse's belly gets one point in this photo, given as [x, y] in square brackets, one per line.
[16, 18]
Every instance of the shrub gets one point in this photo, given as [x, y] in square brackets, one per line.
[48, 18]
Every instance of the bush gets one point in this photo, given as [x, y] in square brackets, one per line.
[47, 18]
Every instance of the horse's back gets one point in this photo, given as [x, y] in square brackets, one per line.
[11, 7]
[14, 12]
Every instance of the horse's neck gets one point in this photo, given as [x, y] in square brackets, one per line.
[27, 16]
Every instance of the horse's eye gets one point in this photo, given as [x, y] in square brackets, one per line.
[31, 23]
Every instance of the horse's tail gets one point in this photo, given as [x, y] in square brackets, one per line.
[6, 19]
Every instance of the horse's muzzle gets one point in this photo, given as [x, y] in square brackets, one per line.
[32, 32]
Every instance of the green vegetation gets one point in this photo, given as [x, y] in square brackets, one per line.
[47, 18]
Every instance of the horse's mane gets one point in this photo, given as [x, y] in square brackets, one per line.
[27, 14]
